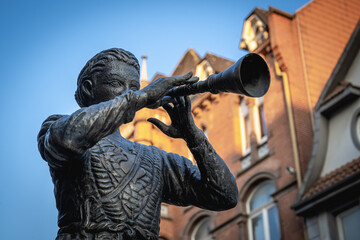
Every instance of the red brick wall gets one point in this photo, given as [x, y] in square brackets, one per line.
[307, 48]
[326, 26]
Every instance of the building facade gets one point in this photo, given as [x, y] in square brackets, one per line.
[329, 199]
[266, 142]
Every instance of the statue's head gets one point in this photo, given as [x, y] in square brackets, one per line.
[108, 74]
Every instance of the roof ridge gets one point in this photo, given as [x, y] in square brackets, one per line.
[190, 51]
[218, 56]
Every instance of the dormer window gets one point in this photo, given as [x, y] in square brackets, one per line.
[254, 33]
[204, 70]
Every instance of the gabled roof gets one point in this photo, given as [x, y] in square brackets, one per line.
[158, 75]
[187, 63]
[261, 13]
[191, 59]
[218, 63]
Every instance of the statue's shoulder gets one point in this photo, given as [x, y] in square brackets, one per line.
[48, 121]
[44, 128]
[53, 118]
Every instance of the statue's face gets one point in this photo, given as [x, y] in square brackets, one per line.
[117, 78]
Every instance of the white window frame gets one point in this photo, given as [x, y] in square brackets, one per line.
[194, 231]
[339, 222]
[164, 211]
[245, 140]
[262, 210]
[260, 139]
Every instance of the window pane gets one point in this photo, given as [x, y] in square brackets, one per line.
[274, 223]
[258, 227]
[262, 195]
[350, 224]
[247, 131]
[244, 110]
[202, 230]
[245, 125]
[262, 121]
[164, 211]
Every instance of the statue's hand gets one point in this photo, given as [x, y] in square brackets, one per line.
[182, 122]
[153, 95]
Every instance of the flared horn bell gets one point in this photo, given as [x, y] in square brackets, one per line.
[249, 76]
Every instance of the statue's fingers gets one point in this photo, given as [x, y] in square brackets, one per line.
[165, 100]
[167, 130]
[181, 100]
[169, 109]
[185, 79]
[187, 103]
[179, 80]
[175, 101]
[177, 106]
[160, 125]
[192, 80]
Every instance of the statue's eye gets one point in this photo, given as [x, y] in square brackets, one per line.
[115, 83]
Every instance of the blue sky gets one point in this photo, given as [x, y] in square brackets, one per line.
[44, 45]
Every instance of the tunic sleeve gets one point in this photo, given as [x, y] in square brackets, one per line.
[210, 185]
[64, 138]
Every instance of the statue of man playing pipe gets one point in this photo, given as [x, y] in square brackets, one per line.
[107, 187]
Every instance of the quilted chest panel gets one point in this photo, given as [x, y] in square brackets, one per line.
[127, 185]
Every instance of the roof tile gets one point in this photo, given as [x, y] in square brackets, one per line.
[218, 63]
[333, 177]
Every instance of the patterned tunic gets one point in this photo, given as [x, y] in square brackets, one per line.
[107, 187]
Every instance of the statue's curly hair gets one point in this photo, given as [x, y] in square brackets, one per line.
[97, 64]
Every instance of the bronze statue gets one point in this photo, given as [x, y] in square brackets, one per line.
[107, 187]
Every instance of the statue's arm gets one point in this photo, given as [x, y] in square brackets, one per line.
[210, 185]
[70, 136]
[67, 137]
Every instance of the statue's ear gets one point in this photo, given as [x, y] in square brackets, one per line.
[87, 89]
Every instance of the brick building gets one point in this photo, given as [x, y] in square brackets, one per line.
[266, 142]
[329, 199]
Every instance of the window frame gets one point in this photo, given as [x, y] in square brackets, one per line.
[197, 226]
[261, 121]
[339, 223]
[262, 210]
[245, 131]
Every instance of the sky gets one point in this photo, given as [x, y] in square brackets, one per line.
[45, 44]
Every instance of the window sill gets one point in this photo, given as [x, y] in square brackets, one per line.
[166, 218]
[253, 164]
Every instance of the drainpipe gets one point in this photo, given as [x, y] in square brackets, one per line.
[290, 114]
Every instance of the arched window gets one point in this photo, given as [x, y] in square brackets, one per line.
[263, 222]
[202, 230]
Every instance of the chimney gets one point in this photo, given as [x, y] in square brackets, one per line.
[143, 75]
